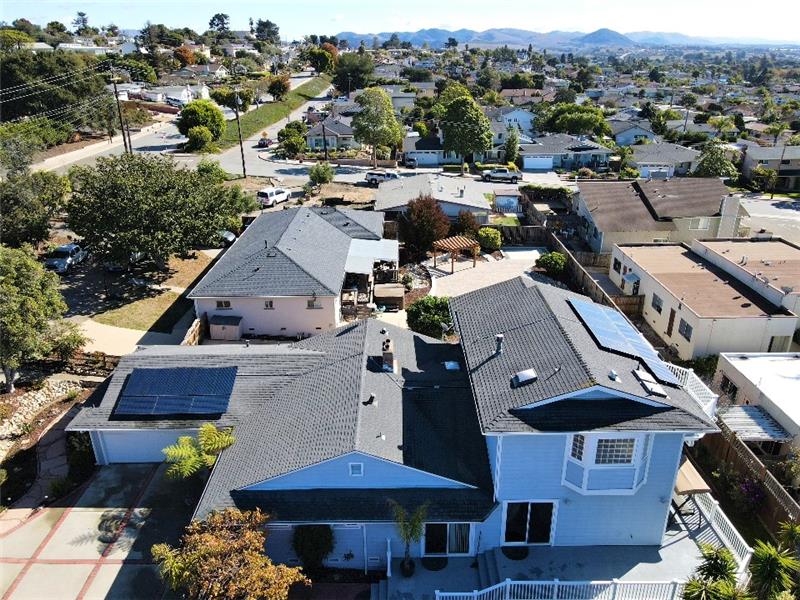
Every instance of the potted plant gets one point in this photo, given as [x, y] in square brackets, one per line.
[409, 528]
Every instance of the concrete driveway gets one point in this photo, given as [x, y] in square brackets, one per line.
[516, 261]
[98, 546]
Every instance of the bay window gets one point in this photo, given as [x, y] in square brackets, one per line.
[606, 463]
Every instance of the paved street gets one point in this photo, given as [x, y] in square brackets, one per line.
[779, 215]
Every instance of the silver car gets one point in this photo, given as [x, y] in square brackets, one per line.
[62, 259]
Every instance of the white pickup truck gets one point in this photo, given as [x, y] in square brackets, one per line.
[501, 174]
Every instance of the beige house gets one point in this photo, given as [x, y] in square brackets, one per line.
[783, 159]
[650, 210]
[697, 305]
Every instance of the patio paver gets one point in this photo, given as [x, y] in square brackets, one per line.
[42, 580]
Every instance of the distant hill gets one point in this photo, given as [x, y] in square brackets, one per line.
[660, 38]
[605, 37]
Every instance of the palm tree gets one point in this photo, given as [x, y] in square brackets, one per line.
[722, 124]
[728, 590]
[701, 589]
[409, 528]
[776, 129]
[772, 568]
[718, 564]
[789, 535]
[189, 455]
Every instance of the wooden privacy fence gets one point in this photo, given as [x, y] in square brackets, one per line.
[778, 505]
[572, 590]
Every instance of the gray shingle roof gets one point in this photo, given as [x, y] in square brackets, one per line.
[294, 252]
[663, 153]
[542, 332]
[333, 126]
[397, 193]
[621, 125]
[562, 143]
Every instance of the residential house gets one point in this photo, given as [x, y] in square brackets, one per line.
[337, 132]
[563, 151]
[520, 436]
[663, 160]
[291, 271]
[643, 211]
[783, 159]
[681, 126]
[451, 194]
[85, 49]
[699, 306]
[209, 71]
[628, 132]
[428, 151]
[39, 47]
[762, 390]
[511, 116]
[399, 97]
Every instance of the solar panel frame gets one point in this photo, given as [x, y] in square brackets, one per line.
[613, 332]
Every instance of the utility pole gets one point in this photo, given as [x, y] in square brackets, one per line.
[119, 111]
[239, 127]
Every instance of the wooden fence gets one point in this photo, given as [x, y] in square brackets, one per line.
[778, 506]
[630, 305]
[196, 332]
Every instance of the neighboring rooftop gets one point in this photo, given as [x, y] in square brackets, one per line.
[560, 143]
[775, 374]
[663, 153]
[774, 152]
[705, 289]
[543, 332]
[775, 259]
[397, 193]
[293, 252]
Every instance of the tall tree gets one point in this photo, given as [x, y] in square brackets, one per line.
[512, 145]
[80, 23]
[320, 60]
[279, 86]
[31, 307]
[353, 71]
[714, 163]
[776, 129]
[268, 31]
[139, 203]
[220, 22]
[222, 557]
[422, 223]
[466, 129]
[29, 201]
[376, 123]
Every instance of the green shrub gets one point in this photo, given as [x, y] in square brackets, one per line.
[212, 170]
[489, 239]
[199, 138]
[293, 146]
[383, 152]
[427, 316]
[466, 224]
[202, 113]
[451, 168]
[312, 544]
[321, 173]
[489, 166]
[553, 264]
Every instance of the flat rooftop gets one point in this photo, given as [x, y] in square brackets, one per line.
[777, 259]
[777, 376]
[706, 290]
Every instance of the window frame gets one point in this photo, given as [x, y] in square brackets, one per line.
[447, 524]
[223, 305]
[657, 306]
[553, 521]
[631, 462]
[269, 305]
[683, 326]
[617, 265]
[313, 304]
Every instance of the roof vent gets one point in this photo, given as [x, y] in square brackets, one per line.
[499, 341]
[370, 400]
[613, 376]
[523, 378]
[387, 350]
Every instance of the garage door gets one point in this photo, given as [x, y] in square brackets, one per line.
[543, 163]
[279, 544]
[426, 158]
[135, 446]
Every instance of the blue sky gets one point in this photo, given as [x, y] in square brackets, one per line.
[729, 19]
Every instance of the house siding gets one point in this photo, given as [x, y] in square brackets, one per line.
[532, 467]
[335, 473]
[288, 317]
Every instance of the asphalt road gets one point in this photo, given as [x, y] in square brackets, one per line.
[781, 216]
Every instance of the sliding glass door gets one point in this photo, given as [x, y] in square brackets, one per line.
[529, 522]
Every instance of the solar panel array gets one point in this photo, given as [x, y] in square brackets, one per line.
[177, 391]
[613, 332]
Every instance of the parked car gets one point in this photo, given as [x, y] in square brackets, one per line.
[117, 267]
[264, 142]
[272, 195]
[411, 162]
[63, 258]
[501, 174]
[376, 177]
[176, 102]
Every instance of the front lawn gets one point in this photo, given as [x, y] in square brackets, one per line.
[269, 114]
[159, 312]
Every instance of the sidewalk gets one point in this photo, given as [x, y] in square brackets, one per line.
[62, 160]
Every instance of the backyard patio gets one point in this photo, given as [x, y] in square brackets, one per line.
[674, 561]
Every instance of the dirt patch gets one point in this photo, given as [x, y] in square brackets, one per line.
[252, 183]
[347, 195]
[70, 147]
[182, 272]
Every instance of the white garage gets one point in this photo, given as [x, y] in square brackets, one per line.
[425, 158]
[140, 446]
[539, 163]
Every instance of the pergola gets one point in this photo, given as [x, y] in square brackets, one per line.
[454, 245]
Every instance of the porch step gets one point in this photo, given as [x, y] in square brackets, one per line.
[488, 574]
[379, 591]
[494, 557]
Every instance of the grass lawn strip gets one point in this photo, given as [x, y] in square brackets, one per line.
[269, 114]
[153, 313]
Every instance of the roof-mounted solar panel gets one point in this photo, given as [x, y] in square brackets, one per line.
[177, 391]
[612, 331]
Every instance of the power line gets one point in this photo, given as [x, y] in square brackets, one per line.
[46, 80]
[50, 88]
[56, 114]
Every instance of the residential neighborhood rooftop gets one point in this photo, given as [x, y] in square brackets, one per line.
[776, 259]
[705, 289]
[397, 193]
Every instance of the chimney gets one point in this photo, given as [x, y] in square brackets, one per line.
[499, 340]
[388, 363]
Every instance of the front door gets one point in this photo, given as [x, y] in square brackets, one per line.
[671, 322]
[529, 523]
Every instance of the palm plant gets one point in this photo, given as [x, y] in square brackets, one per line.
[718, 564]
[722, 124]
[189, 455]
[701, 589]
[409, 528]
[728, 590]
[772, 568]
[776, 129]
[789, 536]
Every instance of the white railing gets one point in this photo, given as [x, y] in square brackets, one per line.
[725, 530]
[696, 388]
[388, 557]
[572, 590]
